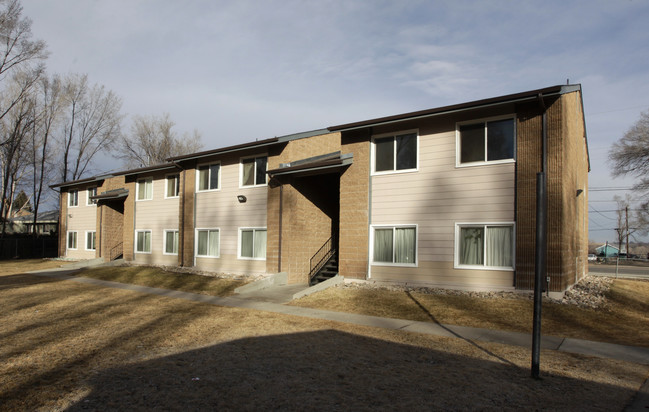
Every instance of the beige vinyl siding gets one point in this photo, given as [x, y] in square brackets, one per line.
[221, 210]
[156, 215]
[434, 198]
[81, 219]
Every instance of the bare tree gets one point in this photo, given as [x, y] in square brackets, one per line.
[18, 52]
[47, 112]
[630, 155]
[16, 128]
[152, 140]
[92, 123]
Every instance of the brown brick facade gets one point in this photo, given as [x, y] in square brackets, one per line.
[567, 172]
[354, 206]
[186, 223]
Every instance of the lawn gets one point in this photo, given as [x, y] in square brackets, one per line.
[160, 278]
[65, 345]
[624, 320]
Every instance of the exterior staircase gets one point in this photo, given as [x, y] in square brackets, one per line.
[327, 271]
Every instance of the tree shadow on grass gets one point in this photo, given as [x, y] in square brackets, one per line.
[334, 370]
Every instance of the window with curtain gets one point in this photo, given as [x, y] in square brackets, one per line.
[486, 141]
[207, 243]
[485, 245]
[91, 192]
[253, 171]
[253, 243]
[90, 240]
[393, 153]
[72, 240]
[397, 245]
[171, 242]
[145, 189]
[143, 241]
[173, 185]
[208, 176]
[73, 198]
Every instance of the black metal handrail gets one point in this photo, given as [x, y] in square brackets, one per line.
[322, 256]
[117, 251]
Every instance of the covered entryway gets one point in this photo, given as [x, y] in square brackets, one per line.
[309, 216]
[111, 223]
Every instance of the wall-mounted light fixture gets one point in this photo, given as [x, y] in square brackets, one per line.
[580, 191]
[241, 199]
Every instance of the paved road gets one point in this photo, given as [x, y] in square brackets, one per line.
[635, 272]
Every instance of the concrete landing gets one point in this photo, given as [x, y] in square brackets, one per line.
[273, 294]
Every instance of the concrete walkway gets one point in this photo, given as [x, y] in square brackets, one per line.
[264, 300]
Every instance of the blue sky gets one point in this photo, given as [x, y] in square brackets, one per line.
[243, 70]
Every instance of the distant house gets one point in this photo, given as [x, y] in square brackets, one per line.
[443, 197]
[46, 223]
[607, 250]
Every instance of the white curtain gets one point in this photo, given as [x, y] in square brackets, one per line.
[404, 245]
[259, 249]
[171, 242]
[143, 241]
[213, 242]
[383, 245]
[499, 246]
[248, 178]
[471, 245]
[202, 243]
[203, 178]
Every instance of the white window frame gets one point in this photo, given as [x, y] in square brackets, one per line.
[394, 140]
[208, 177]
[241, 185]
[484, 121]
[137, 187]
[164, 241]
[94, 242]
[254, 229]
[167, 196]
[202, 229]
[76, 197]
[394, 226]
[76, 240]
[88, 194]
[150, 243]
[484, 225]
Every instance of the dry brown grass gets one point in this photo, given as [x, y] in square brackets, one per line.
[160, 278]
[625, 320]
[66, 345]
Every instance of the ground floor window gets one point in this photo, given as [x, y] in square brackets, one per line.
[171, 242]
[207, 242]
[484, 245]
[252, 243]
[91, 238]
[395, 244]
[143, 241]
[72, 240]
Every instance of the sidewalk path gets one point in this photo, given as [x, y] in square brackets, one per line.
[633, 354]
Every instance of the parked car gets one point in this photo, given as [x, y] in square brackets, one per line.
[591, 257]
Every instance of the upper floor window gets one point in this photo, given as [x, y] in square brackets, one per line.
[73, 198]
[253, 171]
[172, 187]
[145, 189]
[486, 141]
[91, 192]
[395, 152]
[208, 176]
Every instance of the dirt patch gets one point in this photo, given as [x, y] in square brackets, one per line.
[66, 345]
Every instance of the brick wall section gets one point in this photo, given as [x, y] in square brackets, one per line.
[307, 211]
[566, 163]
[129, 211]
[63, 221]
[354, 206]
[186, 212]
[110, 219]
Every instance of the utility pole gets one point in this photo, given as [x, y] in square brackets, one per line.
[626, 212]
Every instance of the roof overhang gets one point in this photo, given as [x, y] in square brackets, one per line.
[329, 163]
[111, 195]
